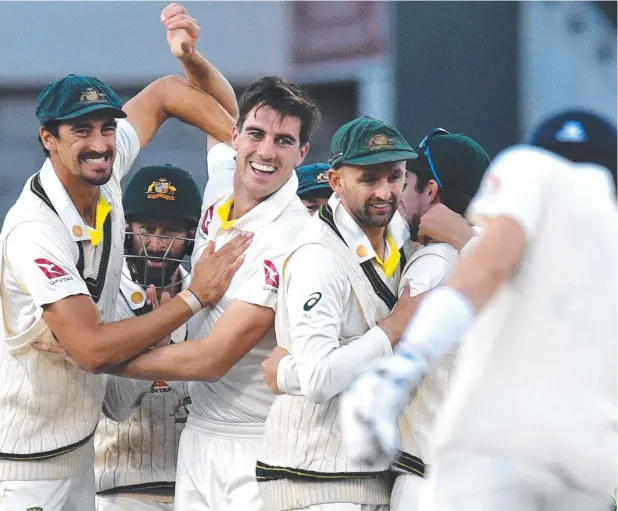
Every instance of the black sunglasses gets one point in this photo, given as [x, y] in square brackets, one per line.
[423, 147]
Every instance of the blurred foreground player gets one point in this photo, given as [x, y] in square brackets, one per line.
[531, 419]
[136, 449]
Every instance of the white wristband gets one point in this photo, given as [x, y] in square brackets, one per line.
[441, 319]
[191, 300]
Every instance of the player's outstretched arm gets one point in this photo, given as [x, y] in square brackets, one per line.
[183, 33]
[98, 347]
[239, 329]
[173, 96]
[371, 407]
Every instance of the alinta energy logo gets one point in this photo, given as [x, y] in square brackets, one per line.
[271, 274]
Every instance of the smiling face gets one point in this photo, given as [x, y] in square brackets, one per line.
[268, 149]
[370, 193]
[85, 147]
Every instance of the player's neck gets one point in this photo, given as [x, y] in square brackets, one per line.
[83, 195]
[243, 203]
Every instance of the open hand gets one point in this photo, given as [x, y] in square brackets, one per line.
[213, 271]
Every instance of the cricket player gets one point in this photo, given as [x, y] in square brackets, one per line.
[313, 186]
[135, 466]
[530, 422]
[440, 182]
[230, 401]
[339, 287]
[60, 271]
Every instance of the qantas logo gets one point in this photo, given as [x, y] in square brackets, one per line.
[271, 274]
[207, 219]
[51, 270]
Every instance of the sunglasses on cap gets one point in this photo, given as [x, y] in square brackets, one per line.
[423, 148]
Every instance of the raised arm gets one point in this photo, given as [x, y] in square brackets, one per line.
[183, 32]
[173, 96]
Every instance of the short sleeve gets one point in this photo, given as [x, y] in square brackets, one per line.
[221, 167]
[261, 279]
[41, 264]
[127, 148]
[513, 186]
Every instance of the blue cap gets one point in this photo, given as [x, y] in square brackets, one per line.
[313, 177]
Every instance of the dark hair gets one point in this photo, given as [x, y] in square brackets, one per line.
[453, 199]
[52, 127]
[284, 97]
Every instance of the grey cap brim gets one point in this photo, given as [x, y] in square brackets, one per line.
[381, 157]
[118, 113]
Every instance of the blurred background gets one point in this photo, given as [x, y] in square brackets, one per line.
[490, 70]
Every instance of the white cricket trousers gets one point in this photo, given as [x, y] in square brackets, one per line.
[342, 507]
[406, 492]
[130, 503]
[73, 494]
[467, 481]
[216, 468]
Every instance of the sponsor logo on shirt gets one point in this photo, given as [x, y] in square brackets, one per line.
[160, 386]
[314, 298]
[52, 271]
[271, 274]
[207, 219]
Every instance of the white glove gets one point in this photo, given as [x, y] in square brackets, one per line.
[370, 408]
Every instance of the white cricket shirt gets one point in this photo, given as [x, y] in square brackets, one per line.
[242, 396]
[536, 375]
[140, 448]
[47, 403]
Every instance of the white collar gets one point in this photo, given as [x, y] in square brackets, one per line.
[265, 212]
[63, 204]
[354, 236]
[135, 294]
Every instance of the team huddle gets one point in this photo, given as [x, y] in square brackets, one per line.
[404, 326]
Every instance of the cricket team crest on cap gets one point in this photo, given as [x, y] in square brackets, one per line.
[572, 131]
[161, 189]
[91, 95]
[380, 142]
[271, 274]
[322, 178]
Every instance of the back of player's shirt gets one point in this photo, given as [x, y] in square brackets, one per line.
[536, 377]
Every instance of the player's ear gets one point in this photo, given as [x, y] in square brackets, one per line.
[335, 180]
[432, 190]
